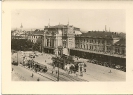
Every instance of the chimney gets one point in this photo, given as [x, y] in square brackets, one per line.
[49, 23]
[68, 22]
[105, 29]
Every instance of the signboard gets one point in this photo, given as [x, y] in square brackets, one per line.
[65, 51]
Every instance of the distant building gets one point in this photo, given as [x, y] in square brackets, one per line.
[19, 33]
[59, 36]
[120, 47]
[97, 41]
[36, 36]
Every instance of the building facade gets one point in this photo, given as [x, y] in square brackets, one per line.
[101, 46]
[59, 36]
[97, 41]
[36, 36]
[119, 47]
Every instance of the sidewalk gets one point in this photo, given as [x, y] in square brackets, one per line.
[26, 72]
[17, 77]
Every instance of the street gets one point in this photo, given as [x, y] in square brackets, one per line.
[93, 72]
[26, 74]
[102, 73]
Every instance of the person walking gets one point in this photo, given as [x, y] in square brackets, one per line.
[76, 73]
[53, 69]
[56, 70]
[38, 79]
[110, 71]
[32, 75]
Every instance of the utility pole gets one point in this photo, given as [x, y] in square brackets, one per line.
[60, 50]
[18, 50]
[58, 72]
[17, 57]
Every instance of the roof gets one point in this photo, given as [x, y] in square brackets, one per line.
[99, 34]
[39, 31]
[62, 26]
[36, 32]
[58, 26]
[121, 42]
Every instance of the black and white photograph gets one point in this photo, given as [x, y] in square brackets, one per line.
[61, 45]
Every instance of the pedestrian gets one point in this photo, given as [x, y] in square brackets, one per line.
[38, 79]
[56, 72]
[12, 69]
[110, 71]
[53, 69]
[84, 69]
[32, 75]
[76, 73]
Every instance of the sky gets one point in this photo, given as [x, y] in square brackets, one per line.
[85, 19]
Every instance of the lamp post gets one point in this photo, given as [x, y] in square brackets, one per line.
[59, 56]
[18, 49]
[58, 78]
[17, 57]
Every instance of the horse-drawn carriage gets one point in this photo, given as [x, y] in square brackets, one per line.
[15, 63]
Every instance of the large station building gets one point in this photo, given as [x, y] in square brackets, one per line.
[59, 36]
[103, 46]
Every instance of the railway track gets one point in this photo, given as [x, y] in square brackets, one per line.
[71, 77]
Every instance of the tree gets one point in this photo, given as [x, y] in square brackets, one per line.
[38, 45]
[21, 44]
[62, 61]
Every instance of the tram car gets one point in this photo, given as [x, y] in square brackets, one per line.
[40, 67]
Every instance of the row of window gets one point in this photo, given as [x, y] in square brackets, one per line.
[90, 47]
[34, 41]
[50, 43]
[118, 51]
[91, 41]
[101, 49]
[35, 37]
